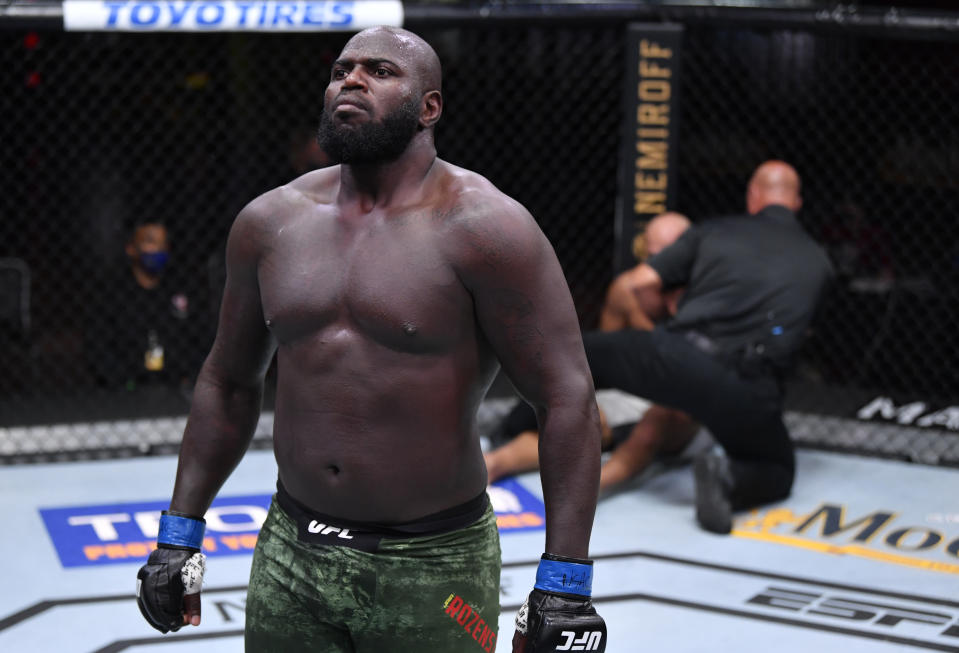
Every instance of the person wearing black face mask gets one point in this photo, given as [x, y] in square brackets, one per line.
[147, 329]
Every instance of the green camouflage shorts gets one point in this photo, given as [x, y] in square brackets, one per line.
[432, 593]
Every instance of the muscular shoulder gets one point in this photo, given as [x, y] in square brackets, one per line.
[269, 212]
[484, 224]
[316, 186]
[313, 189]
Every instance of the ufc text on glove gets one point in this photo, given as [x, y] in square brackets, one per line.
[559, 615]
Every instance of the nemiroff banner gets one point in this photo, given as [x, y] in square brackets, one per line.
[648, 156]
[229, 15]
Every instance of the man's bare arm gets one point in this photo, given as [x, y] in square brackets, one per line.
[524, 308]
[618, 306]
[622, 310]
[229, 389]
[647, 287]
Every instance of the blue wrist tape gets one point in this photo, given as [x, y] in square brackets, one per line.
[564, 577]
[181, 531]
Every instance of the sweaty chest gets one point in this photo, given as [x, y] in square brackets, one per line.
[385, 281]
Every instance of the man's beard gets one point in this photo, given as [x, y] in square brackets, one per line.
[370, 142]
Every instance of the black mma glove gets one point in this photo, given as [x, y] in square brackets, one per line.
[558, 614]
[168, 585]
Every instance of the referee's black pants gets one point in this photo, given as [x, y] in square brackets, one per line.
[743, 411]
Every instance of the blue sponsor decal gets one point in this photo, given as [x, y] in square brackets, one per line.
[126, 532]
[517, 509]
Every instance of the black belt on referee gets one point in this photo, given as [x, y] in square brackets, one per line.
[750, 360]
[703, 343]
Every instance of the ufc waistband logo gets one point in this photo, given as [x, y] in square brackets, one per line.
[323, 529]
[588, 641]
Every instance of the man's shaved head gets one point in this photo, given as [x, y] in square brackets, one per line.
[392, 76]
[659, 233]
[663, 230]
[410, 49]
[773, 182]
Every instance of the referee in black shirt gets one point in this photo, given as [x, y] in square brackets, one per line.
[753, 283]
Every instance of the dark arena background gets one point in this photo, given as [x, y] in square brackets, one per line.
[102, 128]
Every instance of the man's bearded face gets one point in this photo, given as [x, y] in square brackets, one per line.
[372, 141]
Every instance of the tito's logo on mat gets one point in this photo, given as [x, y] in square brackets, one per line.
[126, 532]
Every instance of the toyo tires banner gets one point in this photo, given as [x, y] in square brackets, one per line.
[229, 15]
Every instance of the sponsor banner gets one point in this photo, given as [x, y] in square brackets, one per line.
[880, 534]
[126, 532]
[648, 166]
[229, 15]
[922, 414]
[115, 533]
[910, 411]
[517, 509]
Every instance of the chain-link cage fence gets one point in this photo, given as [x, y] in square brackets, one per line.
[112, 142]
